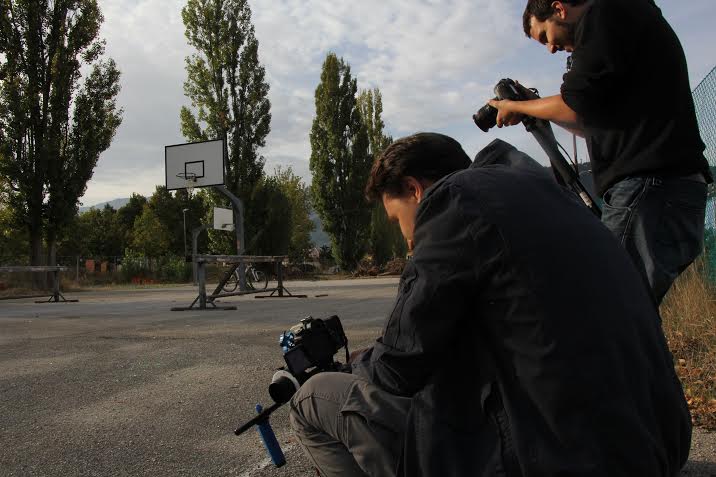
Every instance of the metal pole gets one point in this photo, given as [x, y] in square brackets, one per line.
[184, 213]
[56, 286]
[279, 276]
[202, 285]
[238, 207]
[195, 249]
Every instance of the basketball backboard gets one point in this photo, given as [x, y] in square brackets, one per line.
[196, 164]
[223, 219]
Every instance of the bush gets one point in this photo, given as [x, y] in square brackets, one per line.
[169, 269]
[174, 270]
[689, 320]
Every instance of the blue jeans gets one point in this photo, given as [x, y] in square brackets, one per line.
[660, 222]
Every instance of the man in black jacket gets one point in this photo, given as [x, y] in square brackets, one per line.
[627, 93]
[501, 355]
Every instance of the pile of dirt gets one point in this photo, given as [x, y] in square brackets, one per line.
[395, 267]
[366, 268]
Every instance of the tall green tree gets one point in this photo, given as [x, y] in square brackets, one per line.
[340, 163]
[229, 94]
[385, 241]
[168, 210]
[151, 237]
[370, 102]
[299, 198]
[94, 234]
[126, 215]
[54, 125]
[274, 236]
[13, 240]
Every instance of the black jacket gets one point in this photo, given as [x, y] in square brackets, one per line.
[519, 361]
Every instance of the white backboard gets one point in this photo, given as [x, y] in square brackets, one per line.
[223, 219]
[203, 160]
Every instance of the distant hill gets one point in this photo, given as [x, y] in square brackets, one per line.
[115, 204]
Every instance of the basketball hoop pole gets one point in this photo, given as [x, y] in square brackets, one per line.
[238, 207]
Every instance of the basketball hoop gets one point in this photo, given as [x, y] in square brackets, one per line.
[189, 179]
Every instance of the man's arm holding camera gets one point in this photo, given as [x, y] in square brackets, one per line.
[551, 108]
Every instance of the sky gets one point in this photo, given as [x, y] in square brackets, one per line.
[435, 62]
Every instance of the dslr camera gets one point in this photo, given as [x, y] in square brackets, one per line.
[566, 175]
[486, 117]
[308, 349]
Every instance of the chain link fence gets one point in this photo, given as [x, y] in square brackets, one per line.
[705, 102]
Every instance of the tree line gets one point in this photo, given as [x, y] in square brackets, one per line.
[59, 112]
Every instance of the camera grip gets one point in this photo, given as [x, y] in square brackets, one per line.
[269, 439]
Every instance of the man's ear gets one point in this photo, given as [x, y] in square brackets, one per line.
[560, 11]
[415, 188]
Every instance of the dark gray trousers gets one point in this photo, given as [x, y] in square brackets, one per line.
[349, 427]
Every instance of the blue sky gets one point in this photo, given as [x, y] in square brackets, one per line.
[434, 61]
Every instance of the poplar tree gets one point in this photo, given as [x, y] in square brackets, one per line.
[340, 163]
[385, 240]
[229, 93]
[370, 102]
[298, 195]
[53, 125]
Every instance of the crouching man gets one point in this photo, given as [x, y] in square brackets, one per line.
[522, 341]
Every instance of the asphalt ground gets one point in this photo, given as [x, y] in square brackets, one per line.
[118, 385]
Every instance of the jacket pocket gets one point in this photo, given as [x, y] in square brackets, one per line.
[625, 194]
[508, 465]
[392, 330]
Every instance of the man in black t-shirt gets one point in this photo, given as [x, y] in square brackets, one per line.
[627, 93]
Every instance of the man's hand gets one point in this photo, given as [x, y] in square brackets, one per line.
[551, 108]
[506, 113]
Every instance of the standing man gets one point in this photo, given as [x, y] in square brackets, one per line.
[627, 93]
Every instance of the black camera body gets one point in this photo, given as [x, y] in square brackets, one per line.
[486, 117]
[308, 348]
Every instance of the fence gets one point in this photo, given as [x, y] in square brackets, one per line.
[705, 102]
[131, 268]
[105, 270]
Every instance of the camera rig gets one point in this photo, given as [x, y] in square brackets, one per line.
[486, 118]
[308, 349]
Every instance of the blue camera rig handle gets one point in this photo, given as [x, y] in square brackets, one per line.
[269, 439]
[266, 432]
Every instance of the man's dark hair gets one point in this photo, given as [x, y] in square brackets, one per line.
[428, 156]
[542, 10]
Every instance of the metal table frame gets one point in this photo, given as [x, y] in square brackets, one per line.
[206, 301]
[57, 296]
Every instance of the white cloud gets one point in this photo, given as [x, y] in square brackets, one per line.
[434, 61]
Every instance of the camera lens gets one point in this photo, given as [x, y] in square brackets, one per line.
[282, 387]
[486, 118]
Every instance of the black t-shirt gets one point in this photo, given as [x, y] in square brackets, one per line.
[629, 84]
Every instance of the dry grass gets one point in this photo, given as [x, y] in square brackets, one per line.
[689, 318]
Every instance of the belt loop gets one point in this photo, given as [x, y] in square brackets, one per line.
[657, 181]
